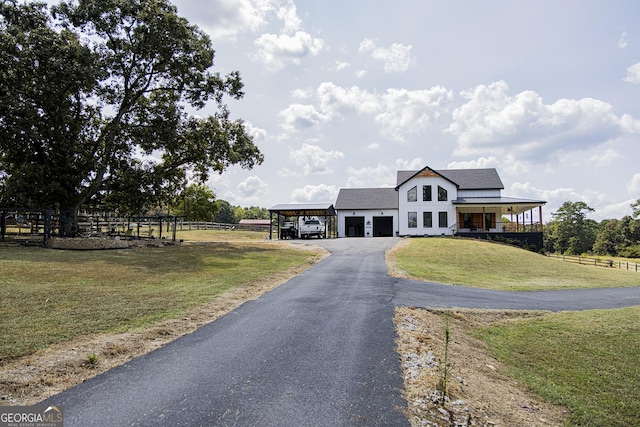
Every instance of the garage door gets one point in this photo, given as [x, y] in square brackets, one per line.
[382, 226]
[354, 226]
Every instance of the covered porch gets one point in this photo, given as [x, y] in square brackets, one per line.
[507, 217]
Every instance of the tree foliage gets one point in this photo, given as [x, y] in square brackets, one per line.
[196, 203]
[571, 232]
[93, 108]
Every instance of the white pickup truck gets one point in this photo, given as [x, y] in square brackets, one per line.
[312, 227]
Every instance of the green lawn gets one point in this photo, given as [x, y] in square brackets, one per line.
[52, 295]
[482, 264]
[586, 360]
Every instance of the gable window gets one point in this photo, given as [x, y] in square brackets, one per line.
[413, 219]
[427, 219]
[442, 194]
[443, 221]
[412, 195]
[426, 193]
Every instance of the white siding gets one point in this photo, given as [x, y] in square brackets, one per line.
[368, 217]
[479, 193]
[419, 207]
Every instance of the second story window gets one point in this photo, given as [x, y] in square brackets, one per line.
[426, 193]
[412, 195]
[442, 194]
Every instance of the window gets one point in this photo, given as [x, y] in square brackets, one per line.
[412, 195]
[442, 194]
[443, 221]
[427, 219]
[426, 193]
[413, 219]
[473, 221]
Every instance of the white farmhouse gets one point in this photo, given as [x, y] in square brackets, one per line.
[429, 202]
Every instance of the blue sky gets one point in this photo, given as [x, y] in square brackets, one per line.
[344, 93]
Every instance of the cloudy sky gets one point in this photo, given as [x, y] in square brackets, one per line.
[345, 93]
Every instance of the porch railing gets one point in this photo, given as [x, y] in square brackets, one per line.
[499, 227]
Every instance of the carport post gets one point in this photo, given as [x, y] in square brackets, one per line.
[270, 225]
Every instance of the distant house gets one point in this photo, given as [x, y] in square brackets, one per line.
[429, 202]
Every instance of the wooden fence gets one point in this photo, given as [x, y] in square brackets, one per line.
[38, 225]
[599, 262]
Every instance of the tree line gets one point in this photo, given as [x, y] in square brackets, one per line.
[571, 232]
[198, 203]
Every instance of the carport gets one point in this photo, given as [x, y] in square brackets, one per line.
[325, 210]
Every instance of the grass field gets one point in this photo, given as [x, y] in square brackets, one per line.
[488, 265]
[585, 360]
[50, 295]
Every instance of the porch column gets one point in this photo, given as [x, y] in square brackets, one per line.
[540, 216]
[484, 220]
[457, 220]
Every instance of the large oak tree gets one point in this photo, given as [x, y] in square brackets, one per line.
[94, 97]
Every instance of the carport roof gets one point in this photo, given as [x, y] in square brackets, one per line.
[309, 209]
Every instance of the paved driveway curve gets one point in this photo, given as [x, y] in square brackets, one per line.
[318, 350]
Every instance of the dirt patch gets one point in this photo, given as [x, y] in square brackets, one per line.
[30, 379]
[479, 393]
[101, 243]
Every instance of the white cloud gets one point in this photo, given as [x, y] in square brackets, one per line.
[606, 158]
[278, 51]
[382, 175]
[496, 123]
[252, 188]
[228, 18]
[301, 116]
[314, 160]
[288, 14]
[396, 58]
[341, 65]
[633, 74]
[360, 74]
[291, 45]
[300, 93]
[373, 146]
[397, 112]
[257, 133]
[335, 99]
[410, 112]
[603, 204]
[634, 186]
[379, 176]
[414, 164]
[315, 194]
[481, 163]
[287, 173]
[623, 41]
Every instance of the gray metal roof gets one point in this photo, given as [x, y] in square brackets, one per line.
[465, 179]
[367, 198]
[308, 209]
[507, 204]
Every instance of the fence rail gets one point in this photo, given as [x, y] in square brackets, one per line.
[38, 225]
[599, 262]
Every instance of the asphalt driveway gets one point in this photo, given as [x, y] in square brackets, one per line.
[318, 350]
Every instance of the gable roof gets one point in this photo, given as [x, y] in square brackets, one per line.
[465, 179]
[367, 198]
